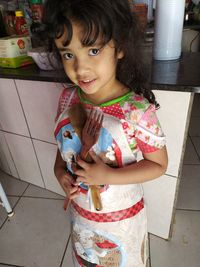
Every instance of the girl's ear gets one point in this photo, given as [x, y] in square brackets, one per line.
[120, 54]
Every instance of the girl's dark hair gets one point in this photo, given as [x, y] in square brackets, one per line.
[108, 19]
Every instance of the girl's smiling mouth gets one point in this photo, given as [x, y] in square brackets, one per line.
[86, 83]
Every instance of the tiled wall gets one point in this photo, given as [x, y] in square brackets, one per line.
[27, 112]
[28, 149]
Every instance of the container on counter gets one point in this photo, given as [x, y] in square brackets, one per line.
[20, 23]
[149, 4]
[37, 10]
[168, 27]
[9, 20]
[13, 51]
[141, 11]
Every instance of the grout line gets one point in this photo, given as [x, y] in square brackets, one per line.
[149, 248]
[190, 164]
[13, 208]
[40, 197]
[187, 210]
[43, 198]
[7, 264]
[28, 185]
[195, 148]
[65, 251]
[33, 138]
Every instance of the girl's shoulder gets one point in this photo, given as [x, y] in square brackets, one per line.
[135, 106]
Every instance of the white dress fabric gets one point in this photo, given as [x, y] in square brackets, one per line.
[117, 235]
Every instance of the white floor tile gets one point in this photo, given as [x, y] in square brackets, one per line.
[37, 235]
[189, 189]
[190, 156]
[12, 186]
[35, 191]
[3, 213]
[183, 249]
[68, 257]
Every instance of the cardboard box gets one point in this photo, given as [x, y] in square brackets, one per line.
[13, 51]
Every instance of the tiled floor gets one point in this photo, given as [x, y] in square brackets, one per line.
[38, 234]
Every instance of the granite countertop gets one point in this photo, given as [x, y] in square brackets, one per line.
[173, 75]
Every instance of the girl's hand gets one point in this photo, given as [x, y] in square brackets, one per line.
[69, 185]
[92, 173]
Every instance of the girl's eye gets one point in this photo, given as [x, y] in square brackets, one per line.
[67, 56]
[94, 51]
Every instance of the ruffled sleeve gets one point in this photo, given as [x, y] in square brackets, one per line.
[62, 102]
[66, 96]
[148, 132]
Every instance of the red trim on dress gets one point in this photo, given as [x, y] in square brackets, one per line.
[118, 153]
[60, 125]
[114, 216]
[144, 147]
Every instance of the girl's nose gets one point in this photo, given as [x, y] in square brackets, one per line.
[81, 66]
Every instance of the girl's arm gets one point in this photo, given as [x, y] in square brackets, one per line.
[152, 166]
[64, 178]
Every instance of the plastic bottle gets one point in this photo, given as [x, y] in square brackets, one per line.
[37, 13]
[168, 29]
[21, 25]
[37, 10]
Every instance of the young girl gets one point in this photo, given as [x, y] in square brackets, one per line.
[98, 43]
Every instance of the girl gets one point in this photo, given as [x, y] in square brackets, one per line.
[98, 44]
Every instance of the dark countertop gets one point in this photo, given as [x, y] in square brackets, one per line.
[174, 75]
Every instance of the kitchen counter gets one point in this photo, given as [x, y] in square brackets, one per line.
[174, 75]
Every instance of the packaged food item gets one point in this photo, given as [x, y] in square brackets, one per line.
[13, 51]
[20, 23]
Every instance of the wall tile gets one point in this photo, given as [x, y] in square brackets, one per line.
[40, 100]
[11, 113]
[25, 160]
[7, 163]
[173, 116]
[159, 197]
[46, 154]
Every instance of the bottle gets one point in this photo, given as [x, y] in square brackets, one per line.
[37, 10]
[21, 25]
[37, 13]
[9, 19]
[169, 19]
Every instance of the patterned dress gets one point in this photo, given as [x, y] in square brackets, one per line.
[117, 235]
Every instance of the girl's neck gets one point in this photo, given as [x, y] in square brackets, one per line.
[98, 99]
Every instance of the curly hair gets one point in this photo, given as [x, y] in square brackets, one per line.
[108, 19]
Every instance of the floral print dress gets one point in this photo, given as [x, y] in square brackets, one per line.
[117, 235]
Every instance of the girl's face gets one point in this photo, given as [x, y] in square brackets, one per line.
[92, 68]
